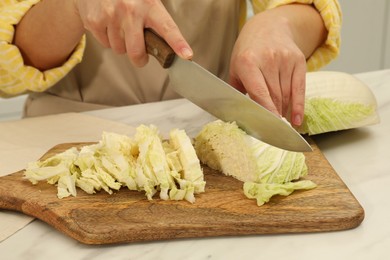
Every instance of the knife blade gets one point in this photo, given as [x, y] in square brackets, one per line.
[221, 100]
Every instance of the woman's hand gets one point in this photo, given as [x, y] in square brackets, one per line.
[268, 64]
[119, 24]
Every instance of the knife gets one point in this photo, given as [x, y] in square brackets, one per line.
[221, 100]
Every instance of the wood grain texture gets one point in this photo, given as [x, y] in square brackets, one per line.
[223, 210]
[159, 48]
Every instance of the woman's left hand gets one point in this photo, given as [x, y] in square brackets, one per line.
[267, 64]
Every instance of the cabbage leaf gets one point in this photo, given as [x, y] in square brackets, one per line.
[143, 162]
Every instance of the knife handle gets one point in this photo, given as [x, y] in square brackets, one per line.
[157, 47]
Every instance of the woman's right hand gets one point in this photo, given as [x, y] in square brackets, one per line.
[120, 24]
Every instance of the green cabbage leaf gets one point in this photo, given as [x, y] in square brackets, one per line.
[263, 192]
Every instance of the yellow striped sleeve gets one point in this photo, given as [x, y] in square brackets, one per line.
[331, 14]
[15, 77]
[243, 14]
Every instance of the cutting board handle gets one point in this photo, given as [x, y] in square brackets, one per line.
[157, 47]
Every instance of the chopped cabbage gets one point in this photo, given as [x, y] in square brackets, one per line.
[143, 162]
[152, 162]
[191, 169]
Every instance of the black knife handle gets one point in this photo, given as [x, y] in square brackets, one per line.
[157, 47]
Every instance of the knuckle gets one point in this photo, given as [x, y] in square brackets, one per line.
[286, 54]
[300, 89]
[299, 106]
[92, 23]
[246, 58]
[106, 10]
[299, 85]
[109, 12]
[151, 2]
[270, 55]
[127, 8]
[298, 56]
[168, 26]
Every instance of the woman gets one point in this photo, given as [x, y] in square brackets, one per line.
[266, 56]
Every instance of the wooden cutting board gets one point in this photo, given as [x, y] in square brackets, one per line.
[223, 210]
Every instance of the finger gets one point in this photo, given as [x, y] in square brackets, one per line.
[254, 82]
[102, 37]
[237, 84]
[285, 79]
[298, 88]
[116, 39]
[160, 21]
[95, 23]
[135, 43]
[271, 76]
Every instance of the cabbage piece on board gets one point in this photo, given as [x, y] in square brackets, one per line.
[153, 166]
[262, 192]
[52, 167]
[192, 172]
[56, 169]
[143, 162]
[226, 148]
[337, 101]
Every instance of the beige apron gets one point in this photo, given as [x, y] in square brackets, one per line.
[105, 79]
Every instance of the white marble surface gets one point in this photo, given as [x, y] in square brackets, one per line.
[360, 157]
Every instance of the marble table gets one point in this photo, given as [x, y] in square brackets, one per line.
[359, 156]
